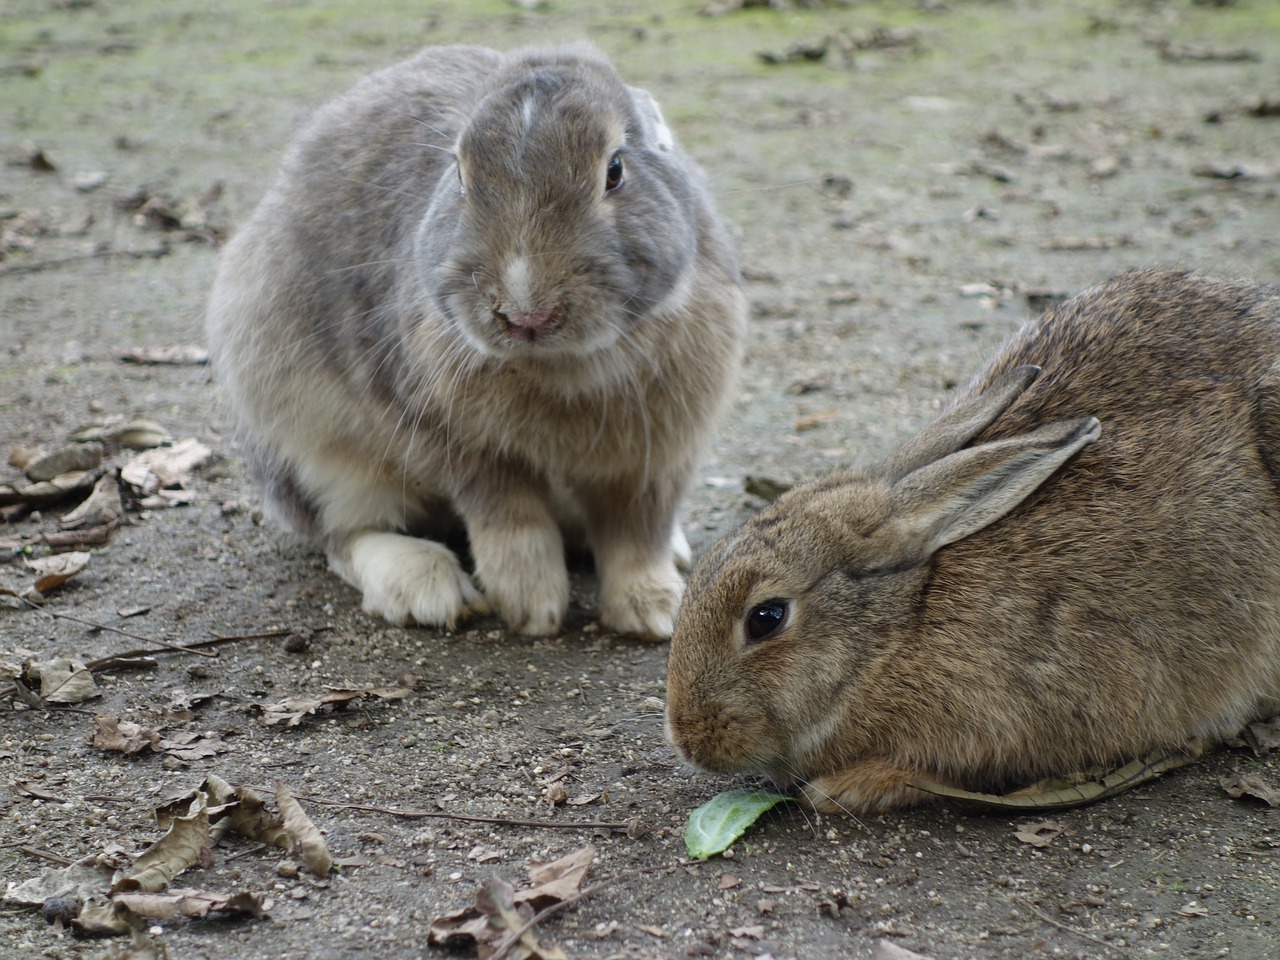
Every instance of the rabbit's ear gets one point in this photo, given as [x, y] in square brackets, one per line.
[656, 131]
[962, 493]
[957, 426]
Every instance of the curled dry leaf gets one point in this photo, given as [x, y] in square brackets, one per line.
[166, 468]
[184, 844]
[128, 737]
[73, 458]
[500, 910]
[189, 903]
[307, 840]
[52, 572]
[102, 507]
[138, 434]
[37, 495]
[1073, 791]
[1251, 785]
[123, 735]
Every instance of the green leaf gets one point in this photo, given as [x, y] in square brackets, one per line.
[724, 818]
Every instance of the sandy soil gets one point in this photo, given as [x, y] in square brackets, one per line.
[902, 203]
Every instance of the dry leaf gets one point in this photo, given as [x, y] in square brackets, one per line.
[78, 881]
[189, 903]
[123, 735]
[1250, 785]
[61, 680]
[1039, 834]
[886, 950]
[166, 467]
[306, 837]
[37, 495]
[1263, 736]
[185, 844]
[52, 572]
[189, 354]
[103, 506]
[815, 420]
[1193, 909]
[73, 458]
[499, 910]
[557, 881]
[291, 710]
[135, 434]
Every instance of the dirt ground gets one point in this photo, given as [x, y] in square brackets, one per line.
[904, 196]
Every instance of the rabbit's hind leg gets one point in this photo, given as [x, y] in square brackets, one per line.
[869, 786]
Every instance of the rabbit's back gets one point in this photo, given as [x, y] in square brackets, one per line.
[1151, 563]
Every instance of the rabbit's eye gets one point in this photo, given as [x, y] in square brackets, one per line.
[613, 173]
[766, 619]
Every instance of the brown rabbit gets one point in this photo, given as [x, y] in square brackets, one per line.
[486, 288]
[1077, 564]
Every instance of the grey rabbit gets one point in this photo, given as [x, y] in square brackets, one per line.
[485, 288]
[1075, 565]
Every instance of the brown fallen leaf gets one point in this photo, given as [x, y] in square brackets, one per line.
[52, 572]
[190, 903]
[1263, 736]
[123, 736]
[887, 950]
[102, 507]
[140, 434]
[1250, 785]
[128, 737]
[186, 354]
[37, 495]
[61, 680]
[291, 710]
[72, 458]
[184, 844]
[557, 881]
[814, 420]
[500, 922]
[1039, 834]
[305, 836]
[166, 468]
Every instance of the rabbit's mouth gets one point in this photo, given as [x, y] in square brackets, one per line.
[520, 326]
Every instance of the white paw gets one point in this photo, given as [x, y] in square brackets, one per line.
[406, 580]
[524, 577]
[643, 601]
[680, 549]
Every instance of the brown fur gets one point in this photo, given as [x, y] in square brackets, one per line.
[1129, 602]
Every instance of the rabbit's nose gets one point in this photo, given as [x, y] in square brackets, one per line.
[527, 325]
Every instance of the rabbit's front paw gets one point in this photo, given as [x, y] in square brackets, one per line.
[643, 601]
[524, 577]
[406, 580]
[870, 786]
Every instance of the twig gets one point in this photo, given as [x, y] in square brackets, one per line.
[507, 943]
[40, 265]
[44, 855]
[124, 633]
[1063, 926]
[196, 647]
[441, 815]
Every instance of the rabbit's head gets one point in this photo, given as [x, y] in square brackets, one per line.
[785, 621]
[569, 218]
